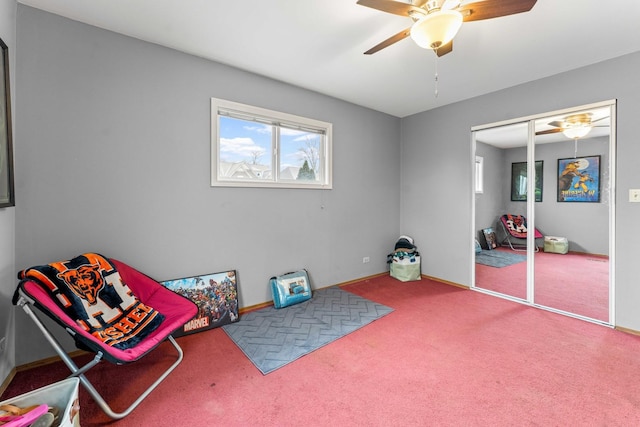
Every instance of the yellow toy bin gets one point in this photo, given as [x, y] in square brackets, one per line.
[556, 245]
[62, 395]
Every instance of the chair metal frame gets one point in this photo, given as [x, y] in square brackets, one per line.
[515, 246]
[29, 294]
[25, 303]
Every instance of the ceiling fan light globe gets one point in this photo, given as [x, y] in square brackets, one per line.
[436, 29]
[576, 132]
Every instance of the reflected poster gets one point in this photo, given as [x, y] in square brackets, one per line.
[579, 179]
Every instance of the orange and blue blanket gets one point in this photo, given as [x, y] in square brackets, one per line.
[90, 291]
[517, 226]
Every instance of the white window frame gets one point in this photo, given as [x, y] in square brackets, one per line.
[221, 107]
[479, 174]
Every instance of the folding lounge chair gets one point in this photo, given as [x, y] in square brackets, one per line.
[515, 231]
[109, 308]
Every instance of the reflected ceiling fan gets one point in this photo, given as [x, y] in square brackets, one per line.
[436, 22]
[574, 126]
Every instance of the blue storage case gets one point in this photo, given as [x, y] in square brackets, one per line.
[290, 288]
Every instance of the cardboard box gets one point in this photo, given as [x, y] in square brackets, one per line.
[63, 395]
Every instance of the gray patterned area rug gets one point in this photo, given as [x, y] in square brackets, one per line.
[497, 258]
[272, 338]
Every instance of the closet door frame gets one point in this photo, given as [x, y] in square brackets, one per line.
[531, 120]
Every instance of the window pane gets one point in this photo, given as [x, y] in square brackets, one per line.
[245, 150]
[479, 174]
[300, 158]
[256, 147]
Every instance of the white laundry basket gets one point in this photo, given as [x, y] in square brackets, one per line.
[63, 395]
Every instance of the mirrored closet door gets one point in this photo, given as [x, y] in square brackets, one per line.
[497, 269]
[554, 249]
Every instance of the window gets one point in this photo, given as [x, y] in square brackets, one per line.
[255, 147]
[479, 174]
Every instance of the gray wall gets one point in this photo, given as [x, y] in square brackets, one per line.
[114, 157]
[491, 202]
[7, 215]
[585, 225]
[436, 173]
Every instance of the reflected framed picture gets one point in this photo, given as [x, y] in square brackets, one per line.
[6, 145]
[490, 238]
[579, 179]
[519, 181]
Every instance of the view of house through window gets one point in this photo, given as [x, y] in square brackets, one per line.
[254, 147]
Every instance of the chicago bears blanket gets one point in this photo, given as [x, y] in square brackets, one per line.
[89, 289]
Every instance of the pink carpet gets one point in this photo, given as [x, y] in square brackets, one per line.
[577, 283]
[445, 357]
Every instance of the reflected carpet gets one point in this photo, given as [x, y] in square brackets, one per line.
[498, 258]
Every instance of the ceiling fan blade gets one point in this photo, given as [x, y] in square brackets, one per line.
[391, 6]
[488, 9]
[444, 49]
[546, 132]
[388, 42]
[557, 124]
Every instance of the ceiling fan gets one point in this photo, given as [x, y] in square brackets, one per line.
[436, 22]
[574, 126]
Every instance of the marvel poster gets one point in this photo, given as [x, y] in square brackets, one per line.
[216, 296]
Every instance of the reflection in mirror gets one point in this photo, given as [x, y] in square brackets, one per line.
[571, 211]
[501, 269]
[572, 273]
[519, 181]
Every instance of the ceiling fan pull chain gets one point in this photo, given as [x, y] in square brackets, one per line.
[436, 74]
[575, 148]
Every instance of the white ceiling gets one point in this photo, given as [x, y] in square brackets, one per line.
[517, 134]
[319, 44]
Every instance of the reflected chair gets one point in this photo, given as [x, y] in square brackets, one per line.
[515, 232]
[109, 309]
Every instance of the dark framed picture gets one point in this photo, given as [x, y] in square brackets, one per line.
[490, 238]
[519, 181]
[6, 145]
[216, 296]
[579, 179]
